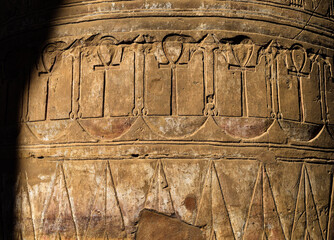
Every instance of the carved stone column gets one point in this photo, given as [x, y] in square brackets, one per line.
[173, 120]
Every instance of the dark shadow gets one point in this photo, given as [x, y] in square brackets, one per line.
[24, 26]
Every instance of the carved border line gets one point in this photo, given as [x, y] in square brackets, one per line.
[93, 42]
[190, 13]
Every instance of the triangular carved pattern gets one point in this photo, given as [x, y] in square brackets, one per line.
[105, 216]
[24, 226]
[212, 212]
[306, 223]
[263, 221]
[158, 197]
[57, 217]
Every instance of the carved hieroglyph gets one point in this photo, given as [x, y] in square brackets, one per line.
[179, 134]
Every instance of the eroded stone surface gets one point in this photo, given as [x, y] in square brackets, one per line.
[158, 226]
[172, 120]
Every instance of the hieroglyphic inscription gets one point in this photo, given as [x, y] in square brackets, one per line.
[171, 120]
[183, 70]
[300, 85]
[53, 85]
[219, 90]
[115, 83]
[238, 77]
[113, 88]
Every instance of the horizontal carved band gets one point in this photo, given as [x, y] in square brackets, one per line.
[107, 87]
[230, 199]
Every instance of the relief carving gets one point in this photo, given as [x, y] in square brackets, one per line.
[108, 85]
[181, 68]
[263, 209]
[205, 95]
[49, 102]
[54, 83]
[167, 119]
[301, 98]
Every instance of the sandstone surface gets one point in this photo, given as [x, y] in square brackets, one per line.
[168, 119]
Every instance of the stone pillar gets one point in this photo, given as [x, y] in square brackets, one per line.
[173, 120]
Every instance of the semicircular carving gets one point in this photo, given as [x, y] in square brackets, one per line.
[175, 127]
[107, 128]
[300, 131]
[244, 127]
[49, 130]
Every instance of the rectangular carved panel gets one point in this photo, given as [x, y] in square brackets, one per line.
[257, 91]
[91, 86]
[119, 87]
[228, 91]
[312, 96]
[157, 81]
[190, 87]
[37, 96]
[288, 92]
[60, 89]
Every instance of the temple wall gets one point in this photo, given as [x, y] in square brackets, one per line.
[173, 120]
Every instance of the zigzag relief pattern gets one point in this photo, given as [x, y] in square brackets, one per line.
[106, 90]
[209, 203]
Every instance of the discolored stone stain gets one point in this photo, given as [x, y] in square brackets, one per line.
[300, 132]
[248, 127]
[190, 122]
[107, 128]
[190, 202]
[156, 226]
